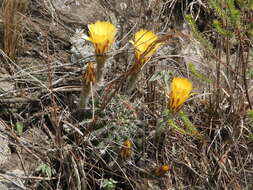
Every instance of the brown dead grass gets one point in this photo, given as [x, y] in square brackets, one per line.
[13, 20]
[82, 152]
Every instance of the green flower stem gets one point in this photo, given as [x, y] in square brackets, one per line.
[100, 59]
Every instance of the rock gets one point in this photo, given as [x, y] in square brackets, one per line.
[81, 11]
[11, 169]
[11, 180]
[8, 179]
[4, 145]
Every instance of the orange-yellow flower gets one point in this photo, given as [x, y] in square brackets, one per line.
[102, 35]
[145, 43]
[180, 91]
[161, 170]
[90, 75]
[126, 149]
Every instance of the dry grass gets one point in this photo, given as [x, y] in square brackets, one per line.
[79, 152]
[13, 19]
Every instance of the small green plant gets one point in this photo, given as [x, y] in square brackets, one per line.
[251, 115]
[218, 26]
[45, 170]
[108, 184]
[233, 28]
[189, 126]
[174, 125]
[198, 74]
[198, 35]
[181, 124]
[250, 136]
[19, 128]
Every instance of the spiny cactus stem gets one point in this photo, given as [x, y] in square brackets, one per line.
[86, 89]
[100, 59]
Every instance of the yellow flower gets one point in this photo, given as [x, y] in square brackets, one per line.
[126, 149]
[161, 170]
[145, 43]
[180, 90]
[102, 35]
[89, 75]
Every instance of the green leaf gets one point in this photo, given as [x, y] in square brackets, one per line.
[250, 137]
[191, 129]
[19, 128]
[241, 3]
[197, 74]
[45, 170]
[235, 15]
[216, 5]
[251, 114]
[217, 25]
[109, 184]
[251, 33]
[198, 35]
[176, 127]
[251, 4]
